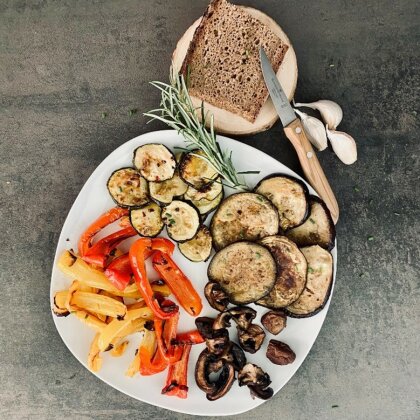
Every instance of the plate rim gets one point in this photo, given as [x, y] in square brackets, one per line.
[91, 177]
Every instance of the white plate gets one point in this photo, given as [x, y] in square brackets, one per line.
[92, 201]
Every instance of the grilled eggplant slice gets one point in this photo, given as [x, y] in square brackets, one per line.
[128, 188]
[246, 271]
[182, 220]
[147, 220]
[208, 193]
[243, 216]
[318, 285]
[318, 229]
[155, 162]
[291, 272]
[198, 248]
[289, 195]
[195, 171]
[164, 192]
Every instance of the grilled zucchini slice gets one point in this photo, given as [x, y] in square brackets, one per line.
[209, 193]
[205, 207]
[147, 220]
[291, 272]
[155, 162]
[128, 188]
[243, 216]
[182, 220]
[195, 171]
[164, 192]
[198, 248]
[318, 229]
[318, 285]
[246, 271]
[289, 195]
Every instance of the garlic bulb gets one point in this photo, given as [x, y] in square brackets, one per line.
[314, 130]
[331, 112]
[343, 145]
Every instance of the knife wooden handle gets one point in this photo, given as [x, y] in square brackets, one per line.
[311, 167]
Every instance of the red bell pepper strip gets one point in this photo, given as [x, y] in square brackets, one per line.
[189, 337]
[178, 282]
[99, 253]
[105, 219]
[119, 272]
[137, 258]
[165, 335]
[176, 381]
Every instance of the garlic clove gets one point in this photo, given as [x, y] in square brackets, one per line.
[343, 145]
[331, 112]
[314, 129]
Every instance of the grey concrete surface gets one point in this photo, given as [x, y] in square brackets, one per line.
[64, 63]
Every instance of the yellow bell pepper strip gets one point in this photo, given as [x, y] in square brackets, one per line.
[176, 381]
[137, 259]
[85, 241]
[99, 253]
[178, 282]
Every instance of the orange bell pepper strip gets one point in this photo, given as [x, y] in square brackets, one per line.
[176, 381]
[137, 258]
[105, 219]
[99, 253]
[178, 282]
[163, 245]
[151, 360]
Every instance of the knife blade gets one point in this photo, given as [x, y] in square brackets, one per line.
[279, 98]
[294, 131]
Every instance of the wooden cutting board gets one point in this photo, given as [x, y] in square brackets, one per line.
[227, 122]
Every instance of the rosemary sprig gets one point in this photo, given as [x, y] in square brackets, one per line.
[178, 112]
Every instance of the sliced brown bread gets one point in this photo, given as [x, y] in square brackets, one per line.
[223, 59]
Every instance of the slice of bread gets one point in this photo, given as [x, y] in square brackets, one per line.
[223, 59]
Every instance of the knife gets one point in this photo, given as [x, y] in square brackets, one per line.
[294, 132]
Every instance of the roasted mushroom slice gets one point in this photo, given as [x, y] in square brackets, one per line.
[243, 316]
[222, 320]
[252, 374]
[257, 381]
[224, 382]
[274, 321]
[264, 394]
[237, 357]
[205, 366]
[218, 342]
[202, 372]
[204, 326]
[233, 354]
[252, 338]
[216, 297]
[280, 353]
